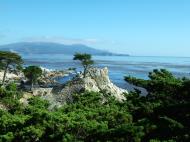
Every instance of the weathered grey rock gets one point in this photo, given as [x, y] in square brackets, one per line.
[11, 76]
[44, 93]
[41, 91]
[35, 92]
[97, 80]
[49, 77]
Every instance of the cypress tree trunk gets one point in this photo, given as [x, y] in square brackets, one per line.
[85, 71]
[5, 72]
[32, 85]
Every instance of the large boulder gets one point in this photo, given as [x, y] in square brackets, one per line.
[97, 80]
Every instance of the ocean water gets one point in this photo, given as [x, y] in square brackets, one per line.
[119, 66]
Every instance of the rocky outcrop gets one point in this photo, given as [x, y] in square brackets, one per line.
[97, 80]
[44, 93]
[41, 91]
[49, 77]
[11, 76]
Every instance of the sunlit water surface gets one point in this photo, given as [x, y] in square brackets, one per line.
[119, 66]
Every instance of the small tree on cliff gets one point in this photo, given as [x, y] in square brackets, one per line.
[86, 61]
[9, 60]
[32, 73]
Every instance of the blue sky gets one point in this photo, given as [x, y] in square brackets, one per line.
[136, 27]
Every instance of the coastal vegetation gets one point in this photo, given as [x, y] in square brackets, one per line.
[86, 61]
[9, 60]
[32, 73]
[161, 116]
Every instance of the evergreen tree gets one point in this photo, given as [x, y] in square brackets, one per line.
[9, 60]
[86, 61]
[32, 73]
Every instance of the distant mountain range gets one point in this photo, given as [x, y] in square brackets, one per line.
[54, 48]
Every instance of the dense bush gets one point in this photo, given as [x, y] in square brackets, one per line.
[164, 112]
[162, 115]
[87, 118]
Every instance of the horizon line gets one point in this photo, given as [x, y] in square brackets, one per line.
[130, 55]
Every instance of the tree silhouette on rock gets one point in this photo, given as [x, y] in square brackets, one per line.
[86, 61]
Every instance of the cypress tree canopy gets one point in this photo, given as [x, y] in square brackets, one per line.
[10, 57]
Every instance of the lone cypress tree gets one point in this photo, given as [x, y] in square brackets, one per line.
[86, 61]
[9, 60]
[32, 73]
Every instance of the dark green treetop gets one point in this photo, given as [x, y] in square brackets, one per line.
[86, 61]
[9, 60]
[32, 73]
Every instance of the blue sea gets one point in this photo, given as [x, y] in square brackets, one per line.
[119, 66]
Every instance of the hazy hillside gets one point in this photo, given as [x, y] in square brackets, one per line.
[51, 48]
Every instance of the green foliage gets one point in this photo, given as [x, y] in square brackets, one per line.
[161, 116]
[11, 87]
[36, 102]
[9, 97]
[164, 111]
[86, 61]
[83, 119]
[10, 57]
[9, 60]
[32, 73]
[8, 137]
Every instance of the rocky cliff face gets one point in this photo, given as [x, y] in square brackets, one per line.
[97, 80]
